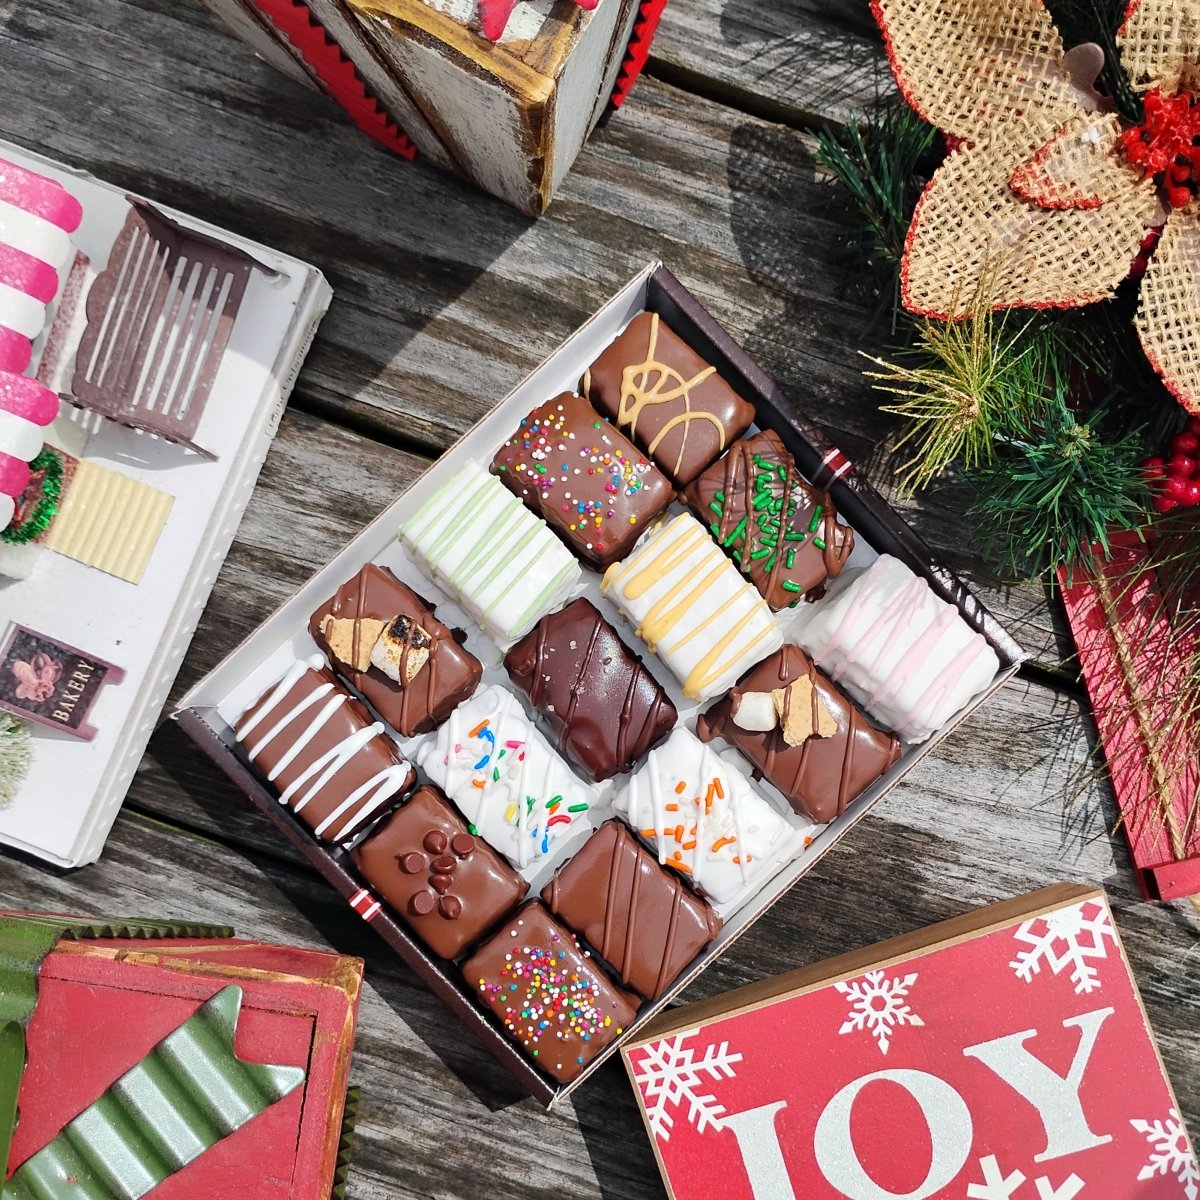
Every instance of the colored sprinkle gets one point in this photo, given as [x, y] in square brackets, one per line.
[789, 586]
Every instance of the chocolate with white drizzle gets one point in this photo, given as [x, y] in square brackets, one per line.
[783, 533]
[820, 762]
[705, 820]
[606, 708]
[331, 763]
[385, 642]
[506, 779]
[693, 608]
[902, 652]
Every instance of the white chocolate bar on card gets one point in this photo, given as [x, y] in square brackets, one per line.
[705, 821]
[693, 608]
[905, 654]
[506, 779]
[502, 563]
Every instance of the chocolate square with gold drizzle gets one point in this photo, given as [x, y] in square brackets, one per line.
[802, 734]
[603, 704]
[782, 532]
[547, 992]
[658, 391]
[385, 642]
[585, 479]
[641, 919]
[445, 882]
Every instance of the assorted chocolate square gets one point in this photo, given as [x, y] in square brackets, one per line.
[714, 593]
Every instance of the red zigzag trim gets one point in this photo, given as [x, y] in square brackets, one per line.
[644, 29]
[337, 73]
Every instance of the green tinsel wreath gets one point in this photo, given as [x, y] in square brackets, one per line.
[46, 508]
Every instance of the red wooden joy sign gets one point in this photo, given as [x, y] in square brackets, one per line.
[1013, 1065]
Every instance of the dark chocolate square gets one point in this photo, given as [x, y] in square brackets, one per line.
[819, 776]
[450, 886]
[586, 480]
[548, 993]
[328, 759]
[782, 532]
[640, 918]
[438, 673]
[658, 391]
[603, 704]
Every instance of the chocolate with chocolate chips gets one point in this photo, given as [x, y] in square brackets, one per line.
[446, 883]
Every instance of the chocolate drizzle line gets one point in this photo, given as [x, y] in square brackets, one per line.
[580, 641]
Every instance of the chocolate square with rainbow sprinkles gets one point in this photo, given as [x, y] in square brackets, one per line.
[548, 993]
[586, 480]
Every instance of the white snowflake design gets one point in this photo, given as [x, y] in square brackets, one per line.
[1170, 1153]
[877, 1005]
[998, 1186]
[669, 1074]
[1070, 937]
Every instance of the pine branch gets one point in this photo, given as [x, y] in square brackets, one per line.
[16, 753]
[881, 164]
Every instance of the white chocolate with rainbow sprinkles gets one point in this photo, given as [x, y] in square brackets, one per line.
[506, 779]
[693, 608]
[496, 558]
[705, 821]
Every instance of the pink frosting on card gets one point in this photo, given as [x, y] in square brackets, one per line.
[14, 475]
[36, 194]
[27, 274]
[25, 397]
[16, 351]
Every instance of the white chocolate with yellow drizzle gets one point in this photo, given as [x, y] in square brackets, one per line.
[704, 819]
[693, 608]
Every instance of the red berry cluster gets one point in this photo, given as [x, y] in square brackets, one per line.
[1167, 144]
[1175, 479]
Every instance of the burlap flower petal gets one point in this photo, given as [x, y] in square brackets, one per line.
[973, 237]
[965, 65]
[1160, 45]
[1081, 166]
[1168, 318]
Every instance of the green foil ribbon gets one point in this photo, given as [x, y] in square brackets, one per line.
[46, 508]
[187, 1094]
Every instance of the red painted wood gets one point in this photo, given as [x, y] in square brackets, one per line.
[104, 1004]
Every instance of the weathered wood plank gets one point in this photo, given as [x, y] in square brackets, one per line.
[801, 62]
[444, 297]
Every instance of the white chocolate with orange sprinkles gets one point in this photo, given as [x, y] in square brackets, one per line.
[705, 821]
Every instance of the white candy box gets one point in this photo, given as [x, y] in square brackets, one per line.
[786, 845]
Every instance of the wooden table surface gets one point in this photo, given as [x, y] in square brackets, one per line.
[444, 299]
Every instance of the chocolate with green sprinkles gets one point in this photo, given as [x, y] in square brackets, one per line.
[781, 531]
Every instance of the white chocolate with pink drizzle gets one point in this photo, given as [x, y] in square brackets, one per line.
[905, 654]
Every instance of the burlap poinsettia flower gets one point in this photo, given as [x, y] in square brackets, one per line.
[1047, 196]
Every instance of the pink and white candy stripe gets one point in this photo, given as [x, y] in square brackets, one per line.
[37, 215]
